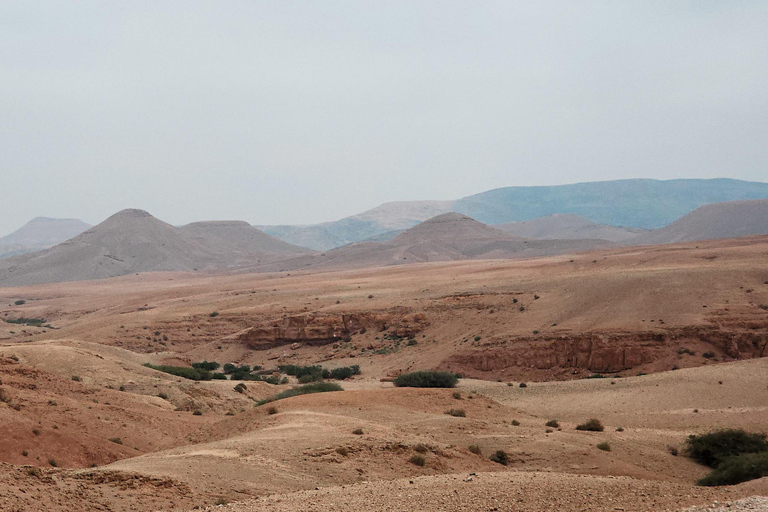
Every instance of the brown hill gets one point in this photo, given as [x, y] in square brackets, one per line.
[565, 226]
[133, 241]
[128, 242]
[240, 236]
[720, 220]
[40, 233]
[447, 237]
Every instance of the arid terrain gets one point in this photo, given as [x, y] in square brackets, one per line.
[677, 333]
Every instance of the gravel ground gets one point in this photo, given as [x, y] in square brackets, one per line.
[504, 491]
[752, 504]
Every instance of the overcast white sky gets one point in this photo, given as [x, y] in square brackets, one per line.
[300, 112]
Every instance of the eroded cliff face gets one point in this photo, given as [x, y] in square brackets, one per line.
[604, 352]
[322, 329]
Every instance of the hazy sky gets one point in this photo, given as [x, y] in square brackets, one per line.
[300, 112]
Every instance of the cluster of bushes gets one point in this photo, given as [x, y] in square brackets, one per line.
[734, 455]
[315, 387]
[32, 322]
[427, 379]
[307, 374]
[183, 371]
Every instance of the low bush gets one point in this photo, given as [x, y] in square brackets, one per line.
[241, 388]
[315, 387]
[358, 431]
[474, 448]
[53, 463]
[713, 448]
[272, 410]
[182, 371]
[591, 425]
[197, 412]
[20, 302]
[417, 460]
[604, 446]
[162, 395]
[76, 378]
[219, 376]
[342, 373]
[737, 469]
[420, 448]
[500, 457]
[552, 423]
[32, 322]
[515, 423]
[116, 440]
[459, 413]
[523, 385]
[426, 379]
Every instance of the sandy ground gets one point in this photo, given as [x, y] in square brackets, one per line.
[104, 331]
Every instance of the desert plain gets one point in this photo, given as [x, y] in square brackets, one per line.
[656, 342]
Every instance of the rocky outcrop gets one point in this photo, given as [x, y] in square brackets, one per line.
[322, 329]
[604, 352]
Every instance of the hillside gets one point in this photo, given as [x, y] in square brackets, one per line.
[128, 242]
[640, 203]
[40, 233]
[388, 217]
[722, 220]
[447, 237]
[238, 236]
[566, 226]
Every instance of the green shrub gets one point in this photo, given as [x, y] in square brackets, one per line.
[300, 371]
[315, 387]
[206, 365]
[241, 388]
[604, 446]
[552, 423]
[713, 448]
[32, 322]
[427, 379]
[343, 372]
[219, 376]
[20, 302]
[592, 425]
[214, 314]
[737, 469]
[182, 371]
[417, 460]
[310, 377]
[500, 457]
[459, 413]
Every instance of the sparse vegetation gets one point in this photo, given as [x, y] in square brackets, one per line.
[182, 371]
[214, 314]
[708, 355]
[604, 446]
[474, 448]
[53, 463]
[342, 450]
[420, 448]
[515, 423]
[272, 410]
[241, 388]
[31, 322]
[457, 395]
[459, 413]
[552, 423]
[417, 460]
[115, 440]
[523, 385]
[20, 302]
[358, 431]
[197, 412]
[591, 425]
[76, 378]
[500, 457]
[427, 379]
[315, 387]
